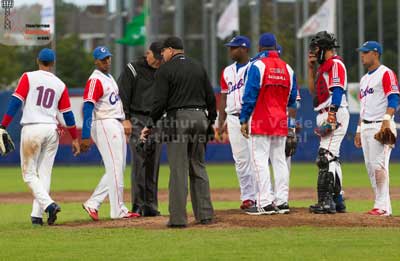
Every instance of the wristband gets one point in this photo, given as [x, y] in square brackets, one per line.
[358, 129]
[387, 117]
[73, 132]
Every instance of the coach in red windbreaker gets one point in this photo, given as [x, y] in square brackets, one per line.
[269, 90]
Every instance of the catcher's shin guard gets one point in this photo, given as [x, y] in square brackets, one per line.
[325, 186]
[338, 197]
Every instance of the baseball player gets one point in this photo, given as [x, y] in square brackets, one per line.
[379, 98]
[232, 89]
[269, 90]
[328, 85]
[43, 95]
[102, 102]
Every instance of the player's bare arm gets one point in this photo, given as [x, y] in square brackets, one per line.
[357, 137]
[127, 129]
[222, 116]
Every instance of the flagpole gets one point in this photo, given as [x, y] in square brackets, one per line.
[131, 14]
[380, 24]
[206, 38]
[178, 19]
[305, 40]
[213, 40]
[255, 22]
[297, 41]
[360, 8]
[54, 40]
[119, 28]
[340, 33]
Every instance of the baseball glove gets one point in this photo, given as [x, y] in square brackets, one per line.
[291, 143]
[6, 143]
[324, 130]
[385, 136]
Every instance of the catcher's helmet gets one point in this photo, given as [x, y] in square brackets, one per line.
[324, 41]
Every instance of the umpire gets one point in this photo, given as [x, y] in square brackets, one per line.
[183, 90]
[136, 92]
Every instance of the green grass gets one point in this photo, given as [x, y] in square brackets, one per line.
[19, 241]
[85, 178]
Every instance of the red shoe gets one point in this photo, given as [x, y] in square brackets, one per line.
[247, 204]
[92, 212]
[377, 212]
[131, 215]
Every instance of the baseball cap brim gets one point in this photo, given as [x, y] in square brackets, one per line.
[104, 55]
[364, 49]
[233, 45]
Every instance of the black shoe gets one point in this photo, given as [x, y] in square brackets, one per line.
[52, 211]
[169, 225]
[37, 221]
[323, 208]
[207, 221]
[149, 212]
[340, 204]
[283, 208]
[267, 210]
[138, 210]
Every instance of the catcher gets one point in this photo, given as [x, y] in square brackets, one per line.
[376, 132]
[328, 84]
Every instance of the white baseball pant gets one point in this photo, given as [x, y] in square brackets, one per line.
[38, 148]
[333, 141]
[376, 158]
[263, 149]
[241, 154]
[110, 139]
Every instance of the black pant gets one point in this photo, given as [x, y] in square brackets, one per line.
[145, 167]
[186, 157]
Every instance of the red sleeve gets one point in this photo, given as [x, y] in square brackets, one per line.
[64, 104]
[224, 86]
[337, 75]
[93, 90]
[389, 83]
[21, 92]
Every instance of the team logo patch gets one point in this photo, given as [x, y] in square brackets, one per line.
[367, 91]
[395, 88]
[336, 80]
[103, 50]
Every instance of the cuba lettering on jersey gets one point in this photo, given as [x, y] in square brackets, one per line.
[102, 90]
[375, 87]
[270, 113]
[43, 94]
[232, 83]
[332, 73]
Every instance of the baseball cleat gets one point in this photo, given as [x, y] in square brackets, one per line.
[37, 221]
[283, 208]
[247, 204]
[52, 211]
[257, 211]
[131, 215]
[377, 212]
[92, 212]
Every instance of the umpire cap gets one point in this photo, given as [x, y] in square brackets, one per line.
[173, 42]
[156, 48]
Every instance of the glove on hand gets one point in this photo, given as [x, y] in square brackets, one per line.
[291, 143]
[385, 136]
[6, 143]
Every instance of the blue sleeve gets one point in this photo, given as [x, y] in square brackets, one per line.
[69, 118]
[250, 95]
[337, 94]
[293, 94]
[87, 119]
[13, 106]
[393, 101]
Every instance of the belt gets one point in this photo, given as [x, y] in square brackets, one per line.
[369, 122]
[141, 113]
[235, 114]
[323, 110]
[187, 109]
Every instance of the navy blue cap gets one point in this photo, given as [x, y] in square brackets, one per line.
[371, 46]
[101, 52]
[47, 55]
[239, 41]
[267, 40]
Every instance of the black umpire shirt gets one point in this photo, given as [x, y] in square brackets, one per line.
[182, 83]
[135, 87]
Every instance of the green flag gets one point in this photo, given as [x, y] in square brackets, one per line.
[135, 31]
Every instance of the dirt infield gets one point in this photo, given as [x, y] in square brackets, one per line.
[236, 219]
[216, 194]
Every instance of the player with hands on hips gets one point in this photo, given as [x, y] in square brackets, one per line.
[42, 95]
[102, 120]
[328, 84]
[232, 89]
[376, 132]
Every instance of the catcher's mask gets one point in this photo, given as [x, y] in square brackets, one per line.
[321, 42]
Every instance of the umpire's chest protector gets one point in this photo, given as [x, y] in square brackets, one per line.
[269, 116]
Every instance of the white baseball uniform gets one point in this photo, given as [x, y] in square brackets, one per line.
[375, 87]
[336, 76]
[108, 134]
[232, 83]
[43, 94]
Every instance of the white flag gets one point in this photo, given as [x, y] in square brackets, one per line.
[323, 20]
[229, 20]
[47, 14]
